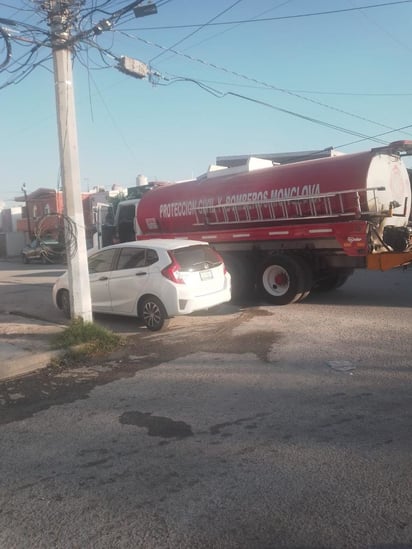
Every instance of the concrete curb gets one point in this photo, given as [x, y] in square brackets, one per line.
[25, 364]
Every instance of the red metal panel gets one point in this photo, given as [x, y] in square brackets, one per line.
[350, 237]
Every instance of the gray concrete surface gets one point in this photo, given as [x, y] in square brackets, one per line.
[272, 427]
[28, 319]
[24, 344]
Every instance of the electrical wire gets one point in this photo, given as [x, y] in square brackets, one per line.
[314, 92]
[265, 84]
[279, 18]
[87, 37]
[383, 30]
[198, 29]
[401, 129]
[66, 230]
[25, 72]
[4, 35]
[234, 26]
[221, 95]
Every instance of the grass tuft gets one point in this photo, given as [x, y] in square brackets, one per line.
[86, 339]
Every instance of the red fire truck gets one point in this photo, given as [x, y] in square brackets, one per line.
[287, 229]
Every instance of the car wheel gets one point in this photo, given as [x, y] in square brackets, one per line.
[153, 314]
[25, 259]
[65, 303]
[44, 259]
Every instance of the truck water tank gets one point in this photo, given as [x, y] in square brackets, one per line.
[375, 183]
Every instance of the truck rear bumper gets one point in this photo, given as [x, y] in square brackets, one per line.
[388, 260]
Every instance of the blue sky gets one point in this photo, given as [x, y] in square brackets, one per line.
[339, 75]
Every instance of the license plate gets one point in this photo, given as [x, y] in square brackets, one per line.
[206, 275]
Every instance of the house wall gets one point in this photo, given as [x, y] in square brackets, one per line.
[36, 209]
[11, 244]
[6, 224]
[44, 201]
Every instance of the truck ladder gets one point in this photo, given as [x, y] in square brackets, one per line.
[309, 207]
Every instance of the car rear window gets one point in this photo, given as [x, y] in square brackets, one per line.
[196, 258]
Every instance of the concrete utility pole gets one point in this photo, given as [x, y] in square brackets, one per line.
[23, 188]
[60, 17]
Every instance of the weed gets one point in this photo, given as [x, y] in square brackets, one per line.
[82, 339]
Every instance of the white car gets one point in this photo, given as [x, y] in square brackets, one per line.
[152, 279]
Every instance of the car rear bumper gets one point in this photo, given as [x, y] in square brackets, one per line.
[187, 306]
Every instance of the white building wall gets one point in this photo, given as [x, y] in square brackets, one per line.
[16, 214]
[14, 243]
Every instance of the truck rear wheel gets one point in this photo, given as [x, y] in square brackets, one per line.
[307, 275]
[282, 280]
[331, 281]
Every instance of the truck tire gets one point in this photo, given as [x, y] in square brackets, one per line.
[281, 280]
[331, 281]
[307, 274]
[241, 273]
[153, 313]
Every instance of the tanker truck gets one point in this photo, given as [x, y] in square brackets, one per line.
[288, 229]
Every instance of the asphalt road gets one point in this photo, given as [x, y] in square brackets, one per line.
[246, 427]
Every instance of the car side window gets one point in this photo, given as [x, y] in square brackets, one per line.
[102, 261]
[131, 258]
[151, 257]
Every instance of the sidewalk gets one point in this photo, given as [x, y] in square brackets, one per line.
[24, 345]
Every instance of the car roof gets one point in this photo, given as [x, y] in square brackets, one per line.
[164, 243]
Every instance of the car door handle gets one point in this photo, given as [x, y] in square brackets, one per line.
[141, 273]
[104, 278]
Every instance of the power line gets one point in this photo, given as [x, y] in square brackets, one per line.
[207, 39]
[87, 37]
[363, 137]
[316, 92]
[265, 84]
[221, 95]
[197, 30]
[279, 18]
[384, 30]
[375, 136]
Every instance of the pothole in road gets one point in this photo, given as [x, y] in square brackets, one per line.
[157, 426]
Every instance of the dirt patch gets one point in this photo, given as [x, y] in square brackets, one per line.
[64, 383]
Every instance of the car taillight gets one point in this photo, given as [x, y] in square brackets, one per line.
[172, 272]
[223, 263]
